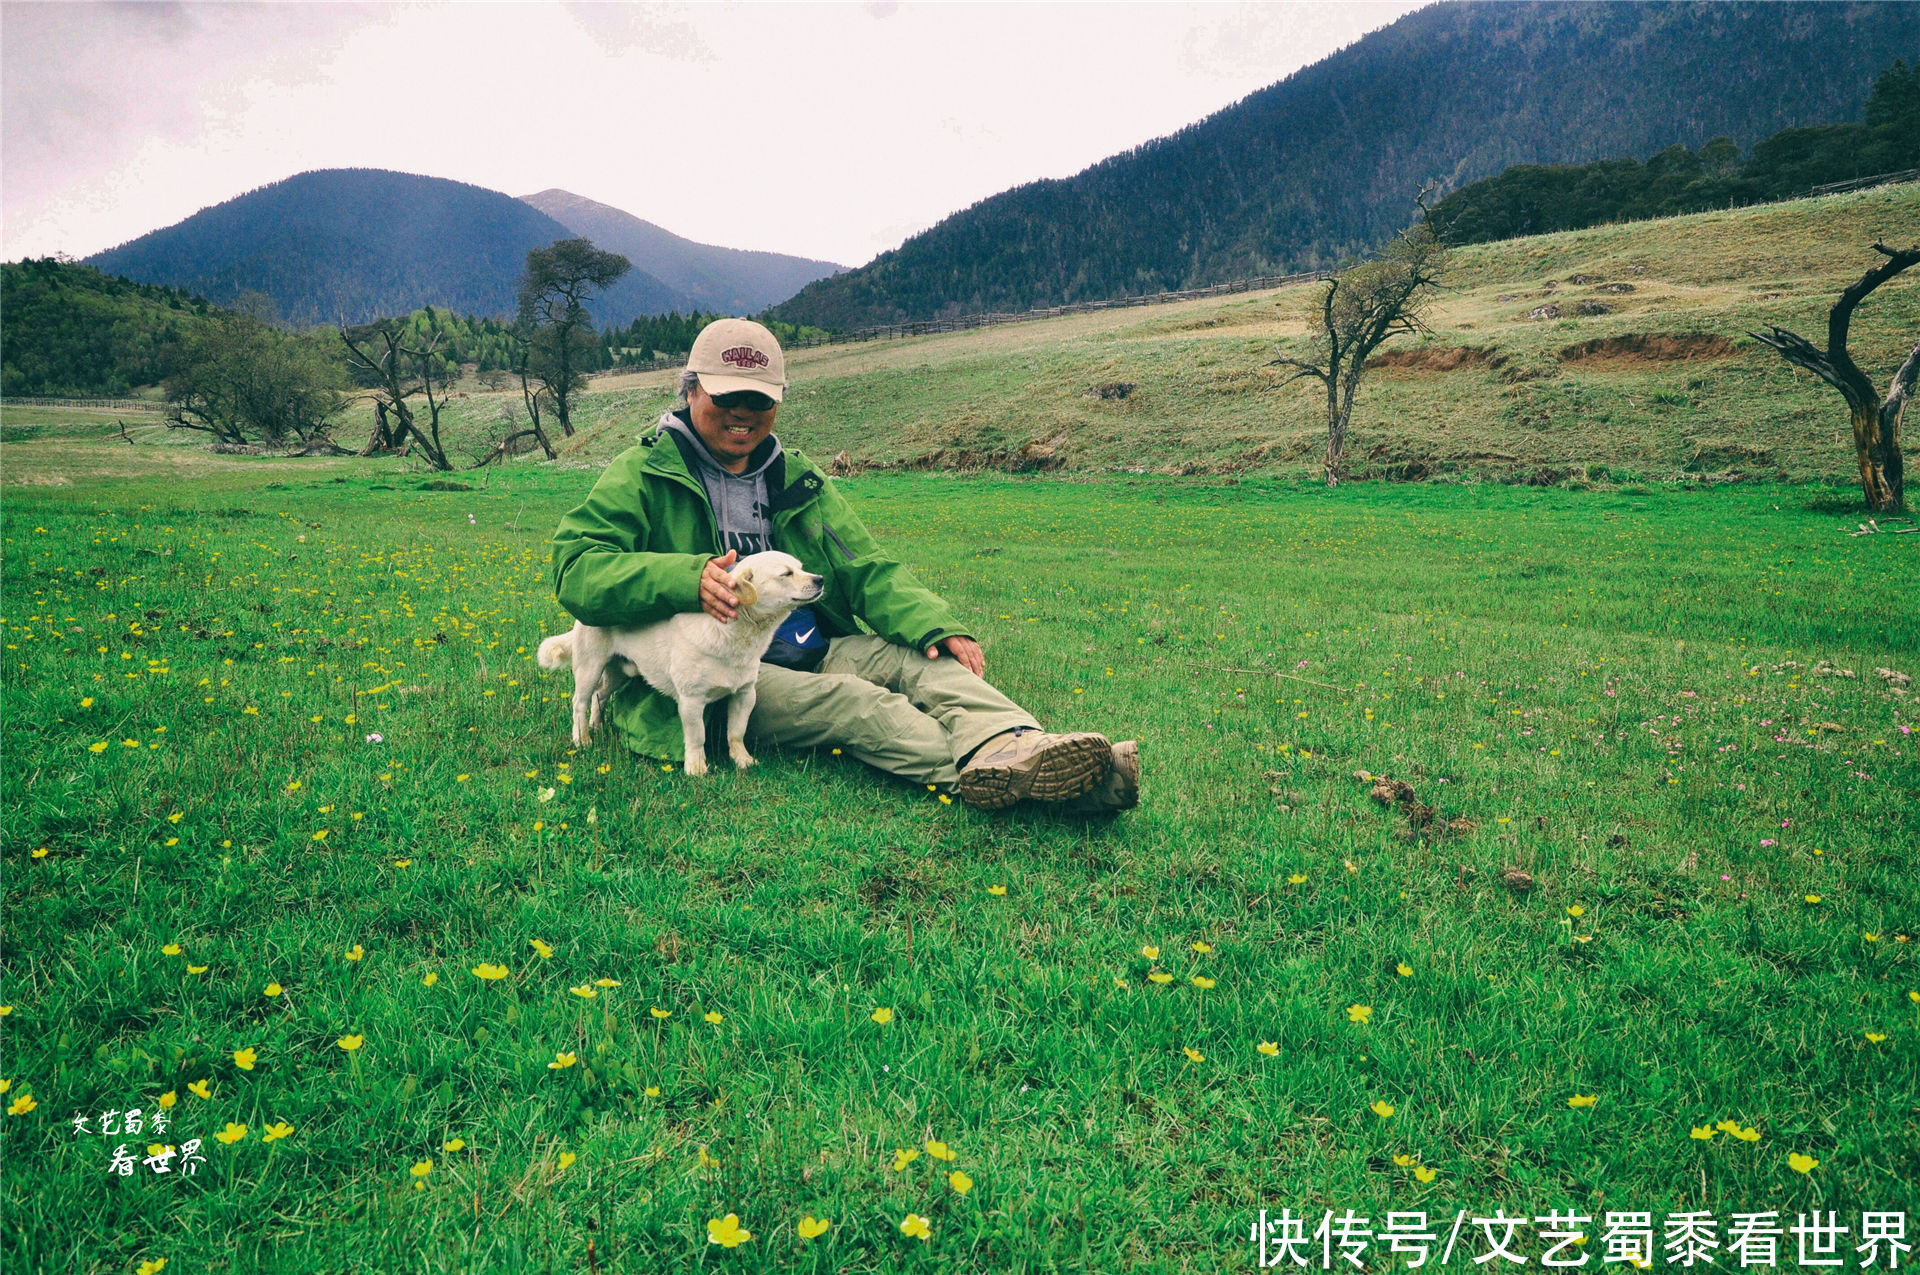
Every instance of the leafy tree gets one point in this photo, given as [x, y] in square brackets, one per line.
[240, 379]
[554, 324]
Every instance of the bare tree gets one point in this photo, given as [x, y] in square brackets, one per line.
[514, 433]
[1876, 420]
[375, 355]
[555, 327]
[395, 372]
[1364, 306]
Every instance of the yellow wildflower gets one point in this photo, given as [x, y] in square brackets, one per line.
[232, 1133]
[1359, 1013]
[883, 1016]
[245, 1058]
[960, 1182]
[812, 1227]
[351, 1043]
[1268, 1047]
[1382, 1109]
[727, 1231]
[276, 1131]
[1583, 1100]
[546, 952]
[561, 1061]
[490, 972]
[915, 1225]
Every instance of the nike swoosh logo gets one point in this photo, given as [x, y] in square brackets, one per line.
[801, 637]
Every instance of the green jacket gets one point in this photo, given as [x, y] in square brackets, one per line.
[631, 554]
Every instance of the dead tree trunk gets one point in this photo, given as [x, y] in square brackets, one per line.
[1876, 420]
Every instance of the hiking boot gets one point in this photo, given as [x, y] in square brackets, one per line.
[1032, 764]
[1119, 790]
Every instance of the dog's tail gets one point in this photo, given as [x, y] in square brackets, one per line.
[557, 651]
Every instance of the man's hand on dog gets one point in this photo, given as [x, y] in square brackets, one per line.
[717, 597]
[964, 649]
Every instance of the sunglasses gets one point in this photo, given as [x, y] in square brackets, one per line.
[752, 400]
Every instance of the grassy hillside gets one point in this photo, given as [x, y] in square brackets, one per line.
[1205, 400]
[1489, 394]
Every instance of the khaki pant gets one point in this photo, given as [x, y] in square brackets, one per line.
[891, 707]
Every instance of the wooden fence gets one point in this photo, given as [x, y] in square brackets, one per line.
[116, 404]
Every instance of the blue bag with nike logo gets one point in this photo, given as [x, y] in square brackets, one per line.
[798, 643]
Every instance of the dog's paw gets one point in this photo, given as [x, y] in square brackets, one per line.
[696, 766]
[741, 757]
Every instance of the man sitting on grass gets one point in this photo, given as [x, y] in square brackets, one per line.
[712, 484]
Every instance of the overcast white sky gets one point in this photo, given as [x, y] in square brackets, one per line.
[829, 131]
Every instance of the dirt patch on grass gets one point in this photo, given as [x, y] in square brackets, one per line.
[1640, 349]
[1437, 358]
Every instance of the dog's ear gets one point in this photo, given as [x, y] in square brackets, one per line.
[742, 586]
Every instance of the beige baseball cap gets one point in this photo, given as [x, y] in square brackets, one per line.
[738, 354]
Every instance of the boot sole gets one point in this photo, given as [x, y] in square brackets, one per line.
[1067, 770]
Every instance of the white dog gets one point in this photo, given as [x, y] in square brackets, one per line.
[691, 657]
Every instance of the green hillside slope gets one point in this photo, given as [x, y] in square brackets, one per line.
[1663, 383]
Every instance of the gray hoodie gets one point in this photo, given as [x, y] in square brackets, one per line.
[744, 518]
[740, 508]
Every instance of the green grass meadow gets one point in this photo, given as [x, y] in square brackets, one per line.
[1619, 695]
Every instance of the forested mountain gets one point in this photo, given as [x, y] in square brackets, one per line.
[1326, 163]
[71, 330]
[725, 280]
[361, 242]
[1533, 199]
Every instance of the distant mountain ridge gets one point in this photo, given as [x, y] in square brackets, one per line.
[1325, 164]
[357, 243]
[722, 280]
